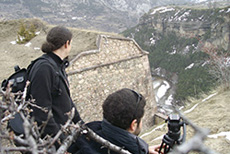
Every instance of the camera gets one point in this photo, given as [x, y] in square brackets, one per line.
[173, 136]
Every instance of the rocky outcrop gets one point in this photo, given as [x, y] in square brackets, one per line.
[213, 24]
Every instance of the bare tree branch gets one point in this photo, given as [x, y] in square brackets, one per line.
[71, 115]
[70, 139]
[88, 132]
[32, 141]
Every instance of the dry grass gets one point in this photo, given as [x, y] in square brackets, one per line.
[15, 54]
[213, 114]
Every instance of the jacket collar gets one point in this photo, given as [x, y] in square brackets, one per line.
[123, 138]
[61, 63]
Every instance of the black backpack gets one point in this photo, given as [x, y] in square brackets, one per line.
[17, 79]
[20, 76]
[18, 82]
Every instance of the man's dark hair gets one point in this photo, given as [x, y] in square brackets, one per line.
[56, 38]
[122, 107]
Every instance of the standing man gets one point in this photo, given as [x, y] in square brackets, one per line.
[122, 112]
[49, 85]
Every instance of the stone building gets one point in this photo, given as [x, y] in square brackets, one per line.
[116, 63]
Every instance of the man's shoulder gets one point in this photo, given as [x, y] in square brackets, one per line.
[95, 125]
[43, 62]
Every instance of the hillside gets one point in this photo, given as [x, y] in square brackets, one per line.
[103, 15]
[179, 41]
[212, 112]
[12, 54]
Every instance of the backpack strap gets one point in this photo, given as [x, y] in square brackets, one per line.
[56, 89]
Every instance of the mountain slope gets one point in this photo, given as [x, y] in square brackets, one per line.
[178, 40]
[103, 15]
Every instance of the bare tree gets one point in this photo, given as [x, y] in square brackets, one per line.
[31, 141]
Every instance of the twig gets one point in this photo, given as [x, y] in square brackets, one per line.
[69, 140]
[28, 134]
[56, 137]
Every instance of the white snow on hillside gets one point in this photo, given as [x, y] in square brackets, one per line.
[166, 10]
[162, 90]
[36, 48]
[13, 42]
[169, 100]
[154, 129]
[228, 10]
[226, 134]
[183, 16]
[200, 1]
[191, 109]
[28, 44]
[162, 10]
[190, 66]
[37, 33]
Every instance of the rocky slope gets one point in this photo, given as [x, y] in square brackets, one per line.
[213, 24]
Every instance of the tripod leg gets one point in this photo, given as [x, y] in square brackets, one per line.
[166, 149]
[161, 147]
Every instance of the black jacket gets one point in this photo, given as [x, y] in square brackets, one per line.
[50, 89]
[115, 135]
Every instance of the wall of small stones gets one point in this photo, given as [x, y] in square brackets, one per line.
[117, 63]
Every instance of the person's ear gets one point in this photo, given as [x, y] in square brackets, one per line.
[133, 126]
[67, 43]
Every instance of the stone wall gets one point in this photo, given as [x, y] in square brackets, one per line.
[116, 64]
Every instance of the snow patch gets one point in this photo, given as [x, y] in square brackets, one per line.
[169, 100]
[13, 42]
[190, 110]
[173, 53]
[200, 1]
[184, 15]
[163, 89]
[37, 33]
[204, 64]
[221, 10]
[156, 84]
[201, 17]
[226, 134]
[209, 97]
[158, 127]
[36, 48]
[190, 66]
[228, 10]
[28, 44]
[162, 10]
[167, 10]
[78, 18]
[152, 41]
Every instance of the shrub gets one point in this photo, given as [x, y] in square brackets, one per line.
[24, 34]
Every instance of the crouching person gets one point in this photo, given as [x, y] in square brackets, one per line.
[122, 112]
